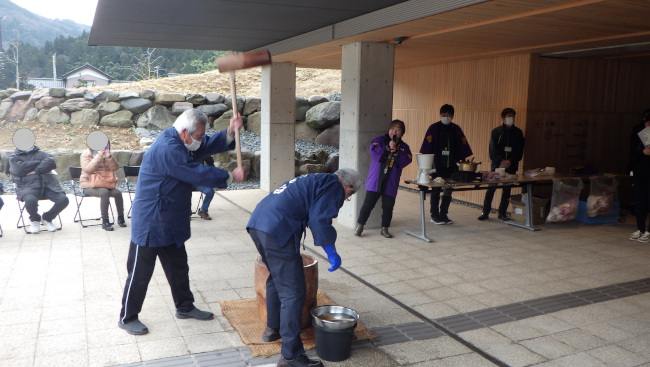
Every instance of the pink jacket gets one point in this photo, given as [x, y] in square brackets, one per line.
[91, 164]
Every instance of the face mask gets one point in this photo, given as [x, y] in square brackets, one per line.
[445, 120]
[510, 121]
[194, 146]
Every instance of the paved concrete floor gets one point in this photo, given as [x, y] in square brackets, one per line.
[60, 292]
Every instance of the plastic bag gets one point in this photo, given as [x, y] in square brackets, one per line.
[601, 195]
[564, 203]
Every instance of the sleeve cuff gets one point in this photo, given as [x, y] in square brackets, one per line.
[229, 139]
[229, 180]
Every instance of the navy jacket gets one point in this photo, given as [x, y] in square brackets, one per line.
[163, 195]
[440, 137]
[306, 201]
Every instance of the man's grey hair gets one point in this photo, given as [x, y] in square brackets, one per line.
[349, 177]
[190, 120]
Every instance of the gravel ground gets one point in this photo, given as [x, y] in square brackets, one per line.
[248, 140]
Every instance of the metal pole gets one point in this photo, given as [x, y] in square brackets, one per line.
[54, 67]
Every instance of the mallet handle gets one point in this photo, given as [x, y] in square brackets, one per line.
[233, 98]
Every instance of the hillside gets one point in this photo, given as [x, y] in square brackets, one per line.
[52, 136]
[34, 29]
[249, 82]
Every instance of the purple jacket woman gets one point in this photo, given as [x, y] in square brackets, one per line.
[389, 155]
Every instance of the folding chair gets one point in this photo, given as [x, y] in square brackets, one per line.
[130, 171]
[21, 220]
[75, 173]
[198, 206]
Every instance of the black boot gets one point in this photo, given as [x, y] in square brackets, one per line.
[106, 225]
[120, 221]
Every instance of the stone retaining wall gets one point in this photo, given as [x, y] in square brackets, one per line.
[317, 117]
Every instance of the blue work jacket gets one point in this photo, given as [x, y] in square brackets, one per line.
[306, 201]
[163, 195]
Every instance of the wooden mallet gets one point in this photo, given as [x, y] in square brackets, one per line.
[239, 61]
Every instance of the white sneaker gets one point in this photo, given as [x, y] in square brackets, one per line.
[635, 236]
[49, 226]
[645, 238]
[35, 227]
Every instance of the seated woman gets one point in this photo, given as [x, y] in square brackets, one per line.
[96, 161]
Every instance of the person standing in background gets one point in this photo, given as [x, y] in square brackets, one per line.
[388, 156]
[506, 150]
[639, 168]
[449, 145]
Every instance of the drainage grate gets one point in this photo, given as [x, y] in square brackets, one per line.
[422, 330]
[403, 333]
[541, 306]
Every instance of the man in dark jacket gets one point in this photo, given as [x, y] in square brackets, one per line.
[506, 150]
[160, 223]
[448, 143]
[32, 171]
[277, 226]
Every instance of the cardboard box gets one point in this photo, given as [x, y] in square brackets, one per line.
[518, 209]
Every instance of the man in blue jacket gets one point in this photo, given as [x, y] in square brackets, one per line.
[277, 226]
[160, 222]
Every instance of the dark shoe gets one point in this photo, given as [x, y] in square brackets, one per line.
[121, 222]
[270, 335]
[504, 217]
[385, 233]
[484, 216]
[301, 361]
[106, 225]
[358, 230]
[195, 314]
[204, 215]
[445, 219]
[134, 327]
[437, 220]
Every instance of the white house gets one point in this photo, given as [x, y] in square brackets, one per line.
[87, 75]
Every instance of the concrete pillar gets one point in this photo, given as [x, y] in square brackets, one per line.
[366, 111]
[278, 124]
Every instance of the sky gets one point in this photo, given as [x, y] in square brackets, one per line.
[81, 11]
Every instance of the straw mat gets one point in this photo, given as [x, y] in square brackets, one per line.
[242, 315]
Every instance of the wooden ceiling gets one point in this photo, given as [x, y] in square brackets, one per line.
[311, 33]
[559, 28]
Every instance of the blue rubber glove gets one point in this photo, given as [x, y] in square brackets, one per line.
[332, 257]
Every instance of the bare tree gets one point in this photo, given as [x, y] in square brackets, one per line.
[13, 56]
[145, 66]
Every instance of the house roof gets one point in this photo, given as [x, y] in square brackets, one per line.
[86, 66]
[310, 34]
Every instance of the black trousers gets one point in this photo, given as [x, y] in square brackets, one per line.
[104, 195]
[641, 192]
[285, 289]
[503, 205]
[387, 204]
[140, 265]
[440, 207]
[31, 205]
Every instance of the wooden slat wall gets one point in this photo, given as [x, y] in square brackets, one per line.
[583, 110]
[477, 89]
[572, 112]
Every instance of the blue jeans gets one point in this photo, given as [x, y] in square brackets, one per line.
[207, 199]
